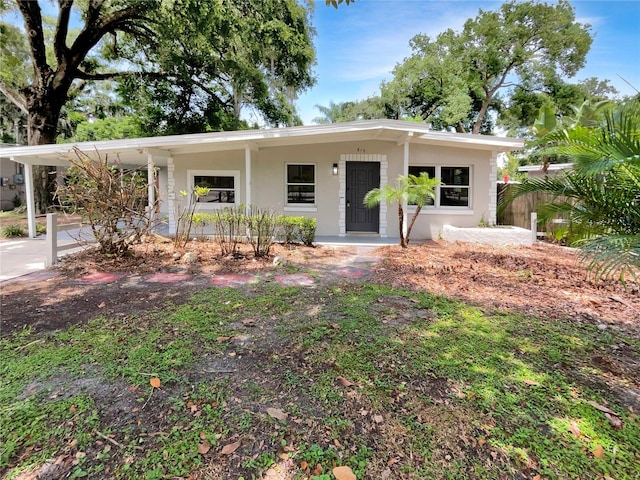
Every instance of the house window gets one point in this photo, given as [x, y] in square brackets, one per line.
[222, 186]
[417, 170]
[455, 188]
[301, 184]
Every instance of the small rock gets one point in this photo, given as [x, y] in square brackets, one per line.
[280, 260]
[190, 257]
[602, 326]
[176, 256]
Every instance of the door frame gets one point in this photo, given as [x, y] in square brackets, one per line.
[342, 189]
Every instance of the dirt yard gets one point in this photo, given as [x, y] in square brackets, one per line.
[544, 280]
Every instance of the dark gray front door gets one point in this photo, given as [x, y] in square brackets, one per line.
[362, 177]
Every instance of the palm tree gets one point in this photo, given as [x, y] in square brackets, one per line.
[601, 196]
[412, 190]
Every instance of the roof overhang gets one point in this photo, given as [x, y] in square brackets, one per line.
[137, 150]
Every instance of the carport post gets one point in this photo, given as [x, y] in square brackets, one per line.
[31, 208]
[52, 239]
[151, 181]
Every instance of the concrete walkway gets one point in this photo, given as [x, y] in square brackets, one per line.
[22, 256]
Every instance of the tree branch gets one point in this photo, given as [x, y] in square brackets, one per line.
[111, 75]
[14, 97]
[33, 23]
[62, 28]
[95, 30]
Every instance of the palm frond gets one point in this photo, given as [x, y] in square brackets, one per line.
[612, 256]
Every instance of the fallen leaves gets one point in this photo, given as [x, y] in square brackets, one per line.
[203, 448]
[343, 473]
[155, 382]
[614, 420]
[231, 447]
[598, 452]
[344, 382]
[277, 414]
[575, 429]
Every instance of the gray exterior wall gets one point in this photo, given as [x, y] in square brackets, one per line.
[268, 181]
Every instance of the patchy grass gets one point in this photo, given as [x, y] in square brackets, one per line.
[392, 383]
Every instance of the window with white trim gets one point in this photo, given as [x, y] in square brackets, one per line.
[301, 184]
[429, 170]
[455, 188]
[222, 186]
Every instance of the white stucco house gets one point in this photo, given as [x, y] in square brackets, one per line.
[320, 171]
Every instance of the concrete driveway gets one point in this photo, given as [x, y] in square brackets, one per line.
[22, 256]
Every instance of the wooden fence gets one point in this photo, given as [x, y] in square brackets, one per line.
[519, 211]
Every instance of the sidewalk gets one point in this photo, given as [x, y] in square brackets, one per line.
[22, 256]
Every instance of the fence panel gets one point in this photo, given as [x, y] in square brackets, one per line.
[519, 211]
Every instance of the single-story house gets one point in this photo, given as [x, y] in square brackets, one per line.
[320, 171]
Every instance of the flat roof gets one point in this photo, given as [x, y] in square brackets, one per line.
[135, 150]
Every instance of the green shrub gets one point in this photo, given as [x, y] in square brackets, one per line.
[10, 231]
[200, 223]
[288, 228]
[308, 231]
[297, 229]
[261, 225]
[230, 227]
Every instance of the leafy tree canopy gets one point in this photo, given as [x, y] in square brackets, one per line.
[455, 80]
[197, 62]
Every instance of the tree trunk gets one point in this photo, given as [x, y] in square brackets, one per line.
[413, 220]
[44, 106]
[403, 241]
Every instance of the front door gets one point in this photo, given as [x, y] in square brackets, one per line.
[361, 177]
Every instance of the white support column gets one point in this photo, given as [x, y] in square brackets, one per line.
[405, 173]
[52, 239]
[247, 176]
[31, 208]
[493, 189]
[151, 180]
[171, 195]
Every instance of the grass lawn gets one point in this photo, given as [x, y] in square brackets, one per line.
[291, 382]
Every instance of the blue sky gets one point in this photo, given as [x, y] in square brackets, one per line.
[358, 45]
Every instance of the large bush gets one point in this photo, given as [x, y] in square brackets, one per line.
[111, 198]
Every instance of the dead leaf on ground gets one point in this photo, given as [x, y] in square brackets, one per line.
[575, 429]
[277, 413]
[378, 418]
[203, 448]
[304, 464]
[615, 422]
[101, 305]
[317, 471]
[230, 448]
[602, 408]
[343, 473]
[530, 382]
[598, 452]
[222, 339]
[155, 382]
[344, 382]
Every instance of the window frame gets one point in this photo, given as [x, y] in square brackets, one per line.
[437, 206]
[294, 205]
[191, 174]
